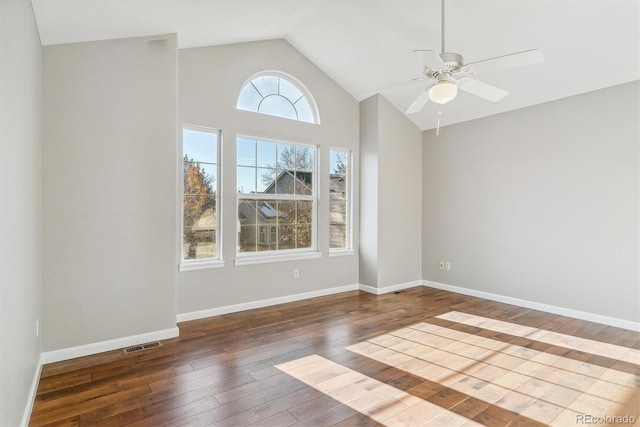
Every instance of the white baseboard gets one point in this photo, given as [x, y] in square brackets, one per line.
[217, 311]
[569, 312]
[99, 347]
[31, 398]
[392, 288]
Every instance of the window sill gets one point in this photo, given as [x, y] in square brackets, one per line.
[200, 265]
[341, 252]
[267, 259]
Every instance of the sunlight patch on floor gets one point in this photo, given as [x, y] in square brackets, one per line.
[379, 401]
[612, 351]
[541, 386]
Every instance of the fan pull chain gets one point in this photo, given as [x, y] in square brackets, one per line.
[438, 125]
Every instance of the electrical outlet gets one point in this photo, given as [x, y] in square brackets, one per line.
[296, 273]
[447, 266]
[441, 265]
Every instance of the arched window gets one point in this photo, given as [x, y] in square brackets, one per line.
[278, 94]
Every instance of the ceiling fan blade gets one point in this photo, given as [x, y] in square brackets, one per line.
[519, 59]
[419, 103]
[429, 59]
[483, 90]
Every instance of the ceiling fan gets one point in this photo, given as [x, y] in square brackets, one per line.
[451, 73]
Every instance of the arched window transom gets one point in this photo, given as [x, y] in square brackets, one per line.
[280, 95]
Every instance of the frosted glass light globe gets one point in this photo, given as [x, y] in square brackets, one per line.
[443, 92]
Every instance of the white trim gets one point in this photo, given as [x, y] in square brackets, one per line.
[100, 347]
[217, 311]
[252, 259]
[391, 288]
[200, 265]
[31, 398]
[578, 314]
[341, 252]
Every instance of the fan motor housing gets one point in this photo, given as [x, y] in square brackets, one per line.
[452, 61]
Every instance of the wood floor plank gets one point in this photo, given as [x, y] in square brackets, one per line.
[224, 370]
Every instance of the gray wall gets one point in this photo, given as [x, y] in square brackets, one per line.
[391, 249]
[20, 206]
[210, 79]
[109, 189]
[369, 139]
[540, 203]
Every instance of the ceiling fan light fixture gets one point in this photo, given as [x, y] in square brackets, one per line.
[443, 92]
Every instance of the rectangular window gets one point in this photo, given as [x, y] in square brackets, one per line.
[276, 196]
[200, 202]
[339, 199]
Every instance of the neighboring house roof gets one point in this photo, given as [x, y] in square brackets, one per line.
[303, 182]
[258, 213]
[264, 213]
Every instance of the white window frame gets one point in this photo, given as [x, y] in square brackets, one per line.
[348, 249]
[201, 264]
[261, 257]
[292, 80]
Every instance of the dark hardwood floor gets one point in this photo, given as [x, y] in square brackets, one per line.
[356, 359]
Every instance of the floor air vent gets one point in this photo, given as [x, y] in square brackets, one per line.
[141, 347]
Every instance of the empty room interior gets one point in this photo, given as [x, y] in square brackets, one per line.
[352, 213]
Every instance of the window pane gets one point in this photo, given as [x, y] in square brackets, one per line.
[284, 182]
[199, 244]
[276, 95]
[276, 105]
[245, 151]
[266, 180]
[337, 220]
[287, 236]
[246, 179]
[247, 238]
[266, 154]
[276, 224]
[286, 156]
[266, 85]
[267, 222]
[199, 178]
[289, 91]
[304, 158]
[287, 212]
[339, 203]
[200, 211]
[249, 98]
[338, 236]
[267, 211]
[199, 146]
[247, 219]
[303, 236]
[304, 212]
[304, 183]
[305, 113]
[338, 161]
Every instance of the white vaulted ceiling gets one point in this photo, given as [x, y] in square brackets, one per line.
[365, 44]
